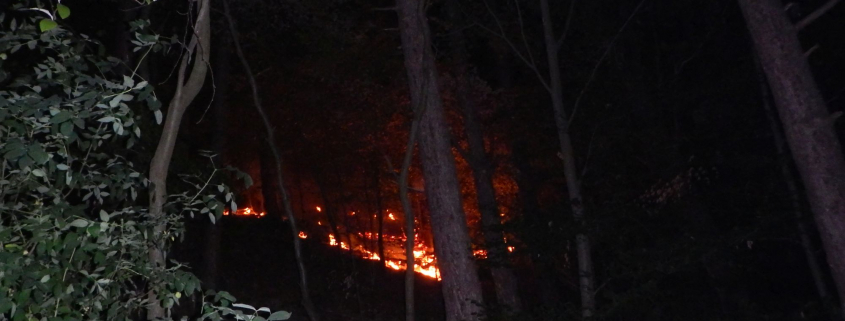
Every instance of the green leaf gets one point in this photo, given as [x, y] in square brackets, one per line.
[45, 278]
[47, 25]
[63, 10]
[104, 216]
[279, 315]
[61, 117]
[66, 128]
[79, 223]
[38, 154]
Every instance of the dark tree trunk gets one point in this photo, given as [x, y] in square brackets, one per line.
[277, 157]
[379, 214]
[807, 123]
[482, 170]
[269, 190]
[461, 286]
[586, 278]
[792, 189]
[222, 72]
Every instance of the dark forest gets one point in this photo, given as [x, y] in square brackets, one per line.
[528, 160]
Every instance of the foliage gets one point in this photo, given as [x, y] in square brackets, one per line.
[74, 235]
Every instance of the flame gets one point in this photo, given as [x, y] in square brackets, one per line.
[302, 235]
[424, 258]
[319, 209]
[246, 211]
[391, 217]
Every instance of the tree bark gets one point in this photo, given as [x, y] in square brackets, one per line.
[461, 286]
[503, 276]
[199, 46]
[586, 278]
[807, 123]
[271, 141]
[791, 187]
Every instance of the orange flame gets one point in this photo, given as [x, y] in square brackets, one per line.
[245, 211]
[391, 217]
[424, 260]
[302, 235]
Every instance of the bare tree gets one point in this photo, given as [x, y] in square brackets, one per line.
[482, 170]
[461, 286]
[563, 120]
[807, 123]
[195, 54]
[271, 141]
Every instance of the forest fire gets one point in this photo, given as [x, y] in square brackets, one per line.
[246, 211]
[425, 261]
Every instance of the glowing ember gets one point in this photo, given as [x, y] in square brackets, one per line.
[424, 260]
[246, 211]
[319, 209]
[302, 235]
[391, 217]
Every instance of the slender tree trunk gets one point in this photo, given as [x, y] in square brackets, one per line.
[186, 89]
[503, 277]
[461, 286]
[269, 190]
[271, 141]
[792, 188]
[379, 215]
[221, 61]
[586, 278]
[807, 123]
[408, 212]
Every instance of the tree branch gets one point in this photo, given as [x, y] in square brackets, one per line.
[816, 14]
[566, 25]
[501, 34]
[601, 60]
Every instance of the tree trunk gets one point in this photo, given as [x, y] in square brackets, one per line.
[586, 278]
[269, 190]
[199, 46]
[210, 258]
[807, 123]
[461, 286]
[503, 277]
[379, 215]
[271, 141]
[792, 188]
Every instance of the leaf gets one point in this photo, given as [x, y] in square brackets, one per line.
[47, 24]
[212, 218]
[279, 315]
[114, 102]
[158, 116]
[79, 223]
[42, 189]
[243, 306]
[106, 119]
[264, 309]
[128, 82]
[104, 216]
[38, 172]
[66, 128]
[38, 154]
[61, 117]
[62, 167]
[45, 278]
[63, 10]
